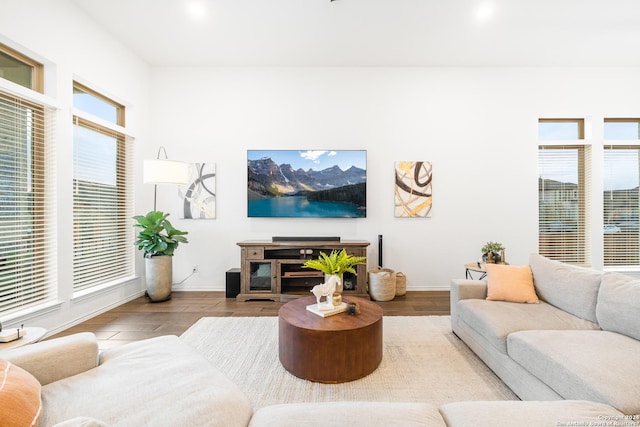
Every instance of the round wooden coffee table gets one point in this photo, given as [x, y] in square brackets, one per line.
[332, 349]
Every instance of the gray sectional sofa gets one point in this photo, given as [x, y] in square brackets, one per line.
[579, 348]
[163, 382]
[582, 341]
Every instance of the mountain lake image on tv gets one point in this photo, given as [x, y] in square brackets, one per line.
[311, 183]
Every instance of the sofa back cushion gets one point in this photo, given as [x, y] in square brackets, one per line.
[570, 288]
[618, 308]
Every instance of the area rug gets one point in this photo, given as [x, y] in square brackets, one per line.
[422, 361]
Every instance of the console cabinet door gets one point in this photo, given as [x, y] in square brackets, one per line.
[261, 277]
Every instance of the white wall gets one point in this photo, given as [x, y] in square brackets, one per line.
[73, 47]
[477, 126]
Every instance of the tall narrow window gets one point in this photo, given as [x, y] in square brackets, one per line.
[27, 200]
[563, 202]
[620, 198]
[102, 194]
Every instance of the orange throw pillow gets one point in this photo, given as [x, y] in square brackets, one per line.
[20, 402]
[510, 283]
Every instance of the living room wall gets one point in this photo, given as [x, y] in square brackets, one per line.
[478, 127]
[72, 47]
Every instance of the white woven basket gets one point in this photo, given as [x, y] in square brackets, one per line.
[401, 284]
[382, 284]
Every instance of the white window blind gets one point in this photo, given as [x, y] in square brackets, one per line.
[620, 202]
[28, 243]
[103, 249]
[563, 203]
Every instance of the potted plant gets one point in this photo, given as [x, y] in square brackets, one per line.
[492, 252]
[336, 264]
[158, 239]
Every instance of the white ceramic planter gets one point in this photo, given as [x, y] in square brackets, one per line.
[159, 271]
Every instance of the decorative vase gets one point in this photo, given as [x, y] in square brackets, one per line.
[159, 274]
[491, 258]
[337, 295]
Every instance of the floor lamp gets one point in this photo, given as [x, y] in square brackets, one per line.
[164, 171]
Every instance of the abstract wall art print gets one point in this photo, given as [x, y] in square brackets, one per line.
[307, 183]
[413, 198]
[198, 196]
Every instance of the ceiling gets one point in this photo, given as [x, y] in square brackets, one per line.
[362, 33]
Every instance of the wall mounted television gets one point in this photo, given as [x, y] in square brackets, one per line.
[307, 183]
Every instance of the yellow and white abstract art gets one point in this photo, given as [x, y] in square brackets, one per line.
[413, 196]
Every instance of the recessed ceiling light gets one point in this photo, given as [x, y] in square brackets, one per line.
[484, 12]
[196, 10]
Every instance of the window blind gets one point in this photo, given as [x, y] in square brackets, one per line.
[620, 202]
[28, 243]
[563, 203]
[103, 249]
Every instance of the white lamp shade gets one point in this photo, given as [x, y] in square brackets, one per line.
[165, 172]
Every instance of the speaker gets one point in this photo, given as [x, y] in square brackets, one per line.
[233, 282]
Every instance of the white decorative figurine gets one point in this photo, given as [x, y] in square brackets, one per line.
[326, 290]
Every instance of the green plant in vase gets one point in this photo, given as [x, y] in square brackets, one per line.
[336, 263]
[492, 252]
[158, 239]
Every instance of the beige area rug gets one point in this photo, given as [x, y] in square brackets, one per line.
[423, 361]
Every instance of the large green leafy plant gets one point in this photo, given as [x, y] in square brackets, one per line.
[337, 262]
[157, 236]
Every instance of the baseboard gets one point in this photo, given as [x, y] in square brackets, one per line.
[198, 288]
[93, 314]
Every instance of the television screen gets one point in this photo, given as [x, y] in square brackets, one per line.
[311, 183]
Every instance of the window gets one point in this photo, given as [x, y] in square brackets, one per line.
[563, 196]
[102, 193]
[621, 129]
[20, 69]
[621, 177]
[27, 206]
[98, 105]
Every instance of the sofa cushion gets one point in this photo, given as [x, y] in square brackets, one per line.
[510, 283]
[529, 414]
[159, 381]
[381, 414]
[495, 320]
[599, 366]
[618, 308]
[81, 422]
[20, 403]
[570, 288]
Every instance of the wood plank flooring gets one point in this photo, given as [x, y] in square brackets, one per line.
[140, 319]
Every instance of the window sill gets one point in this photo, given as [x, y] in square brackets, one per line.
[629, 271]
[23, 317]
[103, 289]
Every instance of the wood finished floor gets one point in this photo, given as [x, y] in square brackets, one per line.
[140, 319]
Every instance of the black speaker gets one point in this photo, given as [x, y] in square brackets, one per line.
[233, 282]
